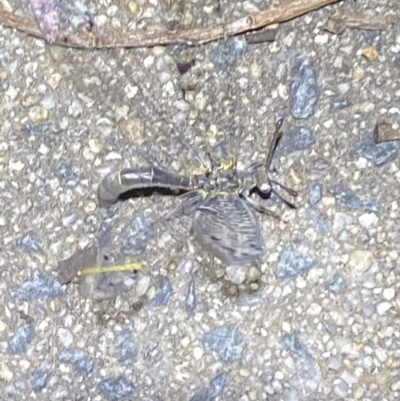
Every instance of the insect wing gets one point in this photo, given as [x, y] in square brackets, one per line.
[224, 226]
[102, 285]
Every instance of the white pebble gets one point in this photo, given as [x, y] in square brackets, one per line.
[255, 70]
[148, 61]
[65, 337]
[389, 294]
[131, 91]
[43, 149]
[142, 286]
[360, 261]
[16, 165]
[314, 309]
[112, 10]
[198, 353]
[368, 220]
[321, 39]
[185, 341]
[100, 20]
[383, 307]
[349, 378]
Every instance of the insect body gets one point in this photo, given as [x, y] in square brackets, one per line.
[221, 202]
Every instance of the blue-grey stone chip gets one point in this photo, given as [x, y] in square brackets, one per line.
[319, 223]
[78, 358]
[118, 388]
[191, 301]
[150, 347]
[64, 171]
[335, 284]
[227, 53]
[30, 243]
[137, 237]
[226, 341]
[292, 342]
[315, 194]
[39, 380]
[347, 199]
[126, 345]
[163, 295]
[19, 342]
[378, 153]
[292, 263]
[304, 90]
[340, 104]
[41, 287]
[217, 384]
[296, 139]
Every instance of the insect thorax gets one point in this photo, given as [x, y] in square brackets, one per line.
[228, 181]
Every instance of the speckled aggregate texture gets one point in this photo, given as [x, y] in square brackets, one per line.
[316, 319]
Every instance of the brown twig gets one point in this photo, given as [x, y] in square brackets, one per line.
[339, 22]
[257, 20]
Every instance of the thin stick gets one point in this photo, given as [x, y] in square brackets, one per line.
[338, 23]
[257, 20]
[90, 271]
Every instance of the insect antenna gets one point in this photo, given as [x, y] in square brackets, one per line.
[274, 143]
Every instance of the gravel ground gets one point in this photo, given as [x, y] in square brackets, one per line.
[316, 319]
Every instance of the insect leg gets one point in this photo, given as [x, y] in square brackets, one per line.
[260, 208]
[274, 143]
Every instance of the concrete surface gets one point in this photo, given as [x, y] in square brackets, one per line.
[317, 319]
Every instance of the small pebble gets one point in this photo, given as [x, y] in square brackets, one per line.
[21, 339]
[341, 390]
[40, 287]
[78, 358]
[292, 263]
[218, 384]
[133, 7]
[65, 337]
[126, 345]
[292, 342]
[296, 139]
[335, 284]
[137, 237]
[226, 341]
[360, 261]
[368, 220]
[383, 307]
[315, 194]
[198, 353]
[38, 114]
[370, 53]
[142, 286]
[304, 90]
[379, 154]
[255, 70]
[314, 309]
[389, 294]
[191, 299]
[163, 295]
[118, 388]
[39, 380]
[30, 243]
